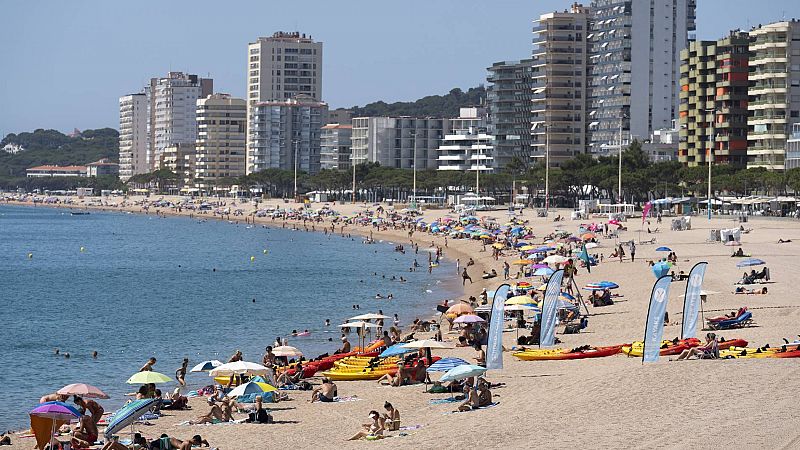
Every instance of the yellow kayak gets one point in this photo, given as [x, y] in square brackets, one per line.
[354, 375]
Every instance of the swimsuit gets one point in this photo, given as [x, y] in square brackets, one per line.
[325, 399]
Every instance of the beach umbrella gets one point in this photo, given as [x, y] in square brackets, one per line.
[445, 364]
[539, 266]
[462, 371]
[252, 387]
[127, 415]
[527, 307]
[498, 245]
[49, 416]
[543, 272]
[522, 262]
[661, 268]
[241, 368]
[544, 249]
[524, 285]
[525, 248]
[469, 318]
[426, 343]
[750, 262]
[702, 292]
[601, 285]
[460, 309]
[287, 351]
[591, 245]
[520, 300]
[663, 249]
[556, 259]
[206, 366]
[369, 316]
[148, 377]
[396, 349]
[358, 324]
[82, 390]
[587, 236]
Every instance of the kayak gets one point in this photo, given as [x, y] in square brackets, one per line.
[667, 347]
[564, 354]
[744, 352]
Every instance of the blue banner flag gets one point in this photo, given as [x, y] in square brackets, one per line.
[547, 335]
[654, 330]
[494, 348]
[691, 301]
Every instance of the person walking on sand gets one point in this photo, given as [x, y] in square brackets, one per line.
[464, 277]
[633, 251]
[506, 270]
[458, 265]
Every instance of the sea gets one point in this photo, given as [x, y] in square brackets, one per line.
[132, 286]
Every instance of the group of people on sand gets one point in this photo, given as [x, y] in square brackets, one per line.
[165, 442]
[388, 421]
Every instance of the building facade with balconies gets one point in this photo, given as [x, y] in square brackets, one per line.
[133, 144]
[335, 144]
[220, 149]
[509, 106]
[285, 135]
[558, 102]
[774, 93]
[398, 142]
[468, 146]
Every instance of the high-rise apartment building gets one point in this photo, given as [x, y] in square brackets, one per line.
[335, 146]
[774, 94]
[285, 134]
[220, 149]
[133, 144]
[509, 104]
[713, 101]
[468, 146]
[634, 67]
[172, 104]
[283, 66]
[398, 142]
[558, 119]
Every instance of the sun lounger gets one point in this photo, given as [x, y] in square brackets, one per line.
[741, 321]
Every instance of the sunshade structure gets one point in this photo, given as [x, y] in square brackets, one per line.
[661, 268]
[469, 318]
[148, 377]
[462, 371]
[543, 272]
[287, 351]
[556, 259]
[702, 292]
[48, 417]
[395, 350]
[426, 343]
[588, 236]
[370, 316]
[252, 387]
[206, 366]
[241, 368]
[460, 309]
[663, 249]
[520, 300]
[750, 262]
[522, 262]
[127, 415]
[521, 308]
[82, 390]
[445, 364]
[358, 324]
[601, 286]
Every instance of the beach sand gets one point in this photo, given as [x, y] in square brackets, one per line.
[608, 402]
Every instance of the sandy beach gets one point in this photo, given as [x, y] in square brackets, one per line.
[596, 403]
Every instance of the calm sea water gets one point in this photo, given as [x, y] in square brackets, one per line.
[172, 288]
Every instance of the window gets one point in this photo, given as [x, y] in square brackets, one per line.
[253, 58]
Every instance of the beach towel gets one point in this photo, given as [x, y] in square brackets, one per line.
[343, 399]
[490, 405]
[442, 401]
[410, 428]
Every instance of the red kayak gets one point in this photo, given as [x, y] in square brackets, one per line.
[724, 345]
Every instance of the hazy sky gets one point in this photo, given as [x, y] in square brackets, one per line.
[65, 63]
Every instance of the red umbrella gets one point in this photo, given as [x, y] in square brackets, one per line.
[82, 390]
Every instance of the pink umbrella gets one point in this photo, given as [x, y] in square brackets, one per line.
[82, 390]
[469, 318]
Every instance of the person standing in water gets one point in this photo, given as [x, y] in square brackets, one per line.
[180, 374]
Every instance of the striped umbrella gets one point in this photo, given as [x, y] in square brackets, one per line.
[127, 415]
[443, 365]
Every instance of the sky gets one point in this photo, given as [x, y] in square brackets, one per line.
[64, 64]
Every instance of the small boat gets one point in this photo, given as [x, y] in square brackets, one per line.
[79, 213]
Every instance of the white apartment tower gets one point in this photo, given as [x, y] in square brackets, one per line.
[133, 144]
[774, 93]
[220, 146]
[558, 121]
[634, 61]
[468, 146]
[172, 103]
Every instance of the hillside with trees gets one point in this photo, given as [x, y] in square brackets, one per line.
[432, 105]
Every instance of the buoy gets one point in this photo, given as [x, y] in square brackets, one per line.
[266, 251]
[30, 255]
[252, 259]
[83, 249]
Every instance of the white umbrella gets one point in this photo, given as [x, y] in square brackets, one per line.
[239, 368]
[520, 308]
[205, 366]
[358, 324]
[426, 343]
[556, 259]
[702, 293]
[369, 316]
[287, 350]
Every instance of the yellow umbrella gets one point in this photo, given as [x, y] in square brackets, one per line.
[486, 236]
[542, 288]
[498, 245]
[522, 262]
[520, 300]
[148, 377]
[527, 247]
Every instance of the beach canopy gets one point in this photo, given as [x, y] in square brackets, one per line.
[148, 377]
[469, 318]
[127, 415]
[49, 416]
[426, 343]
[663, 249]
[369, 316]
[462, 371]
[445, 364]
[750, 262]
[252, 387]
[396, 349]
[206, 366]
[288, 351]
[82, 390]
[459, 309]
[241, 368]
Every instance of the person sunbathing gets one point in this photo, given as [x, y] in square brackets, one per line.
[738, 253]
[325, 393]
[170, 443]
[259, 414]
[218, 414]
[782, 241]
[285, 378]
[708, 351]
[391, 420]
[370, 431]
[85, 434]
[478, 397]
[400, 378]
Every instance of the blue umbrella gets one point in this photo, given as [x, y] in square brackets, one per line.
[443, 365]
[396, 349]
[461, 372]
[543, 272]
[661, 268]
[543, 249]
[663, 249]
[127, 415]
[750, 262]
